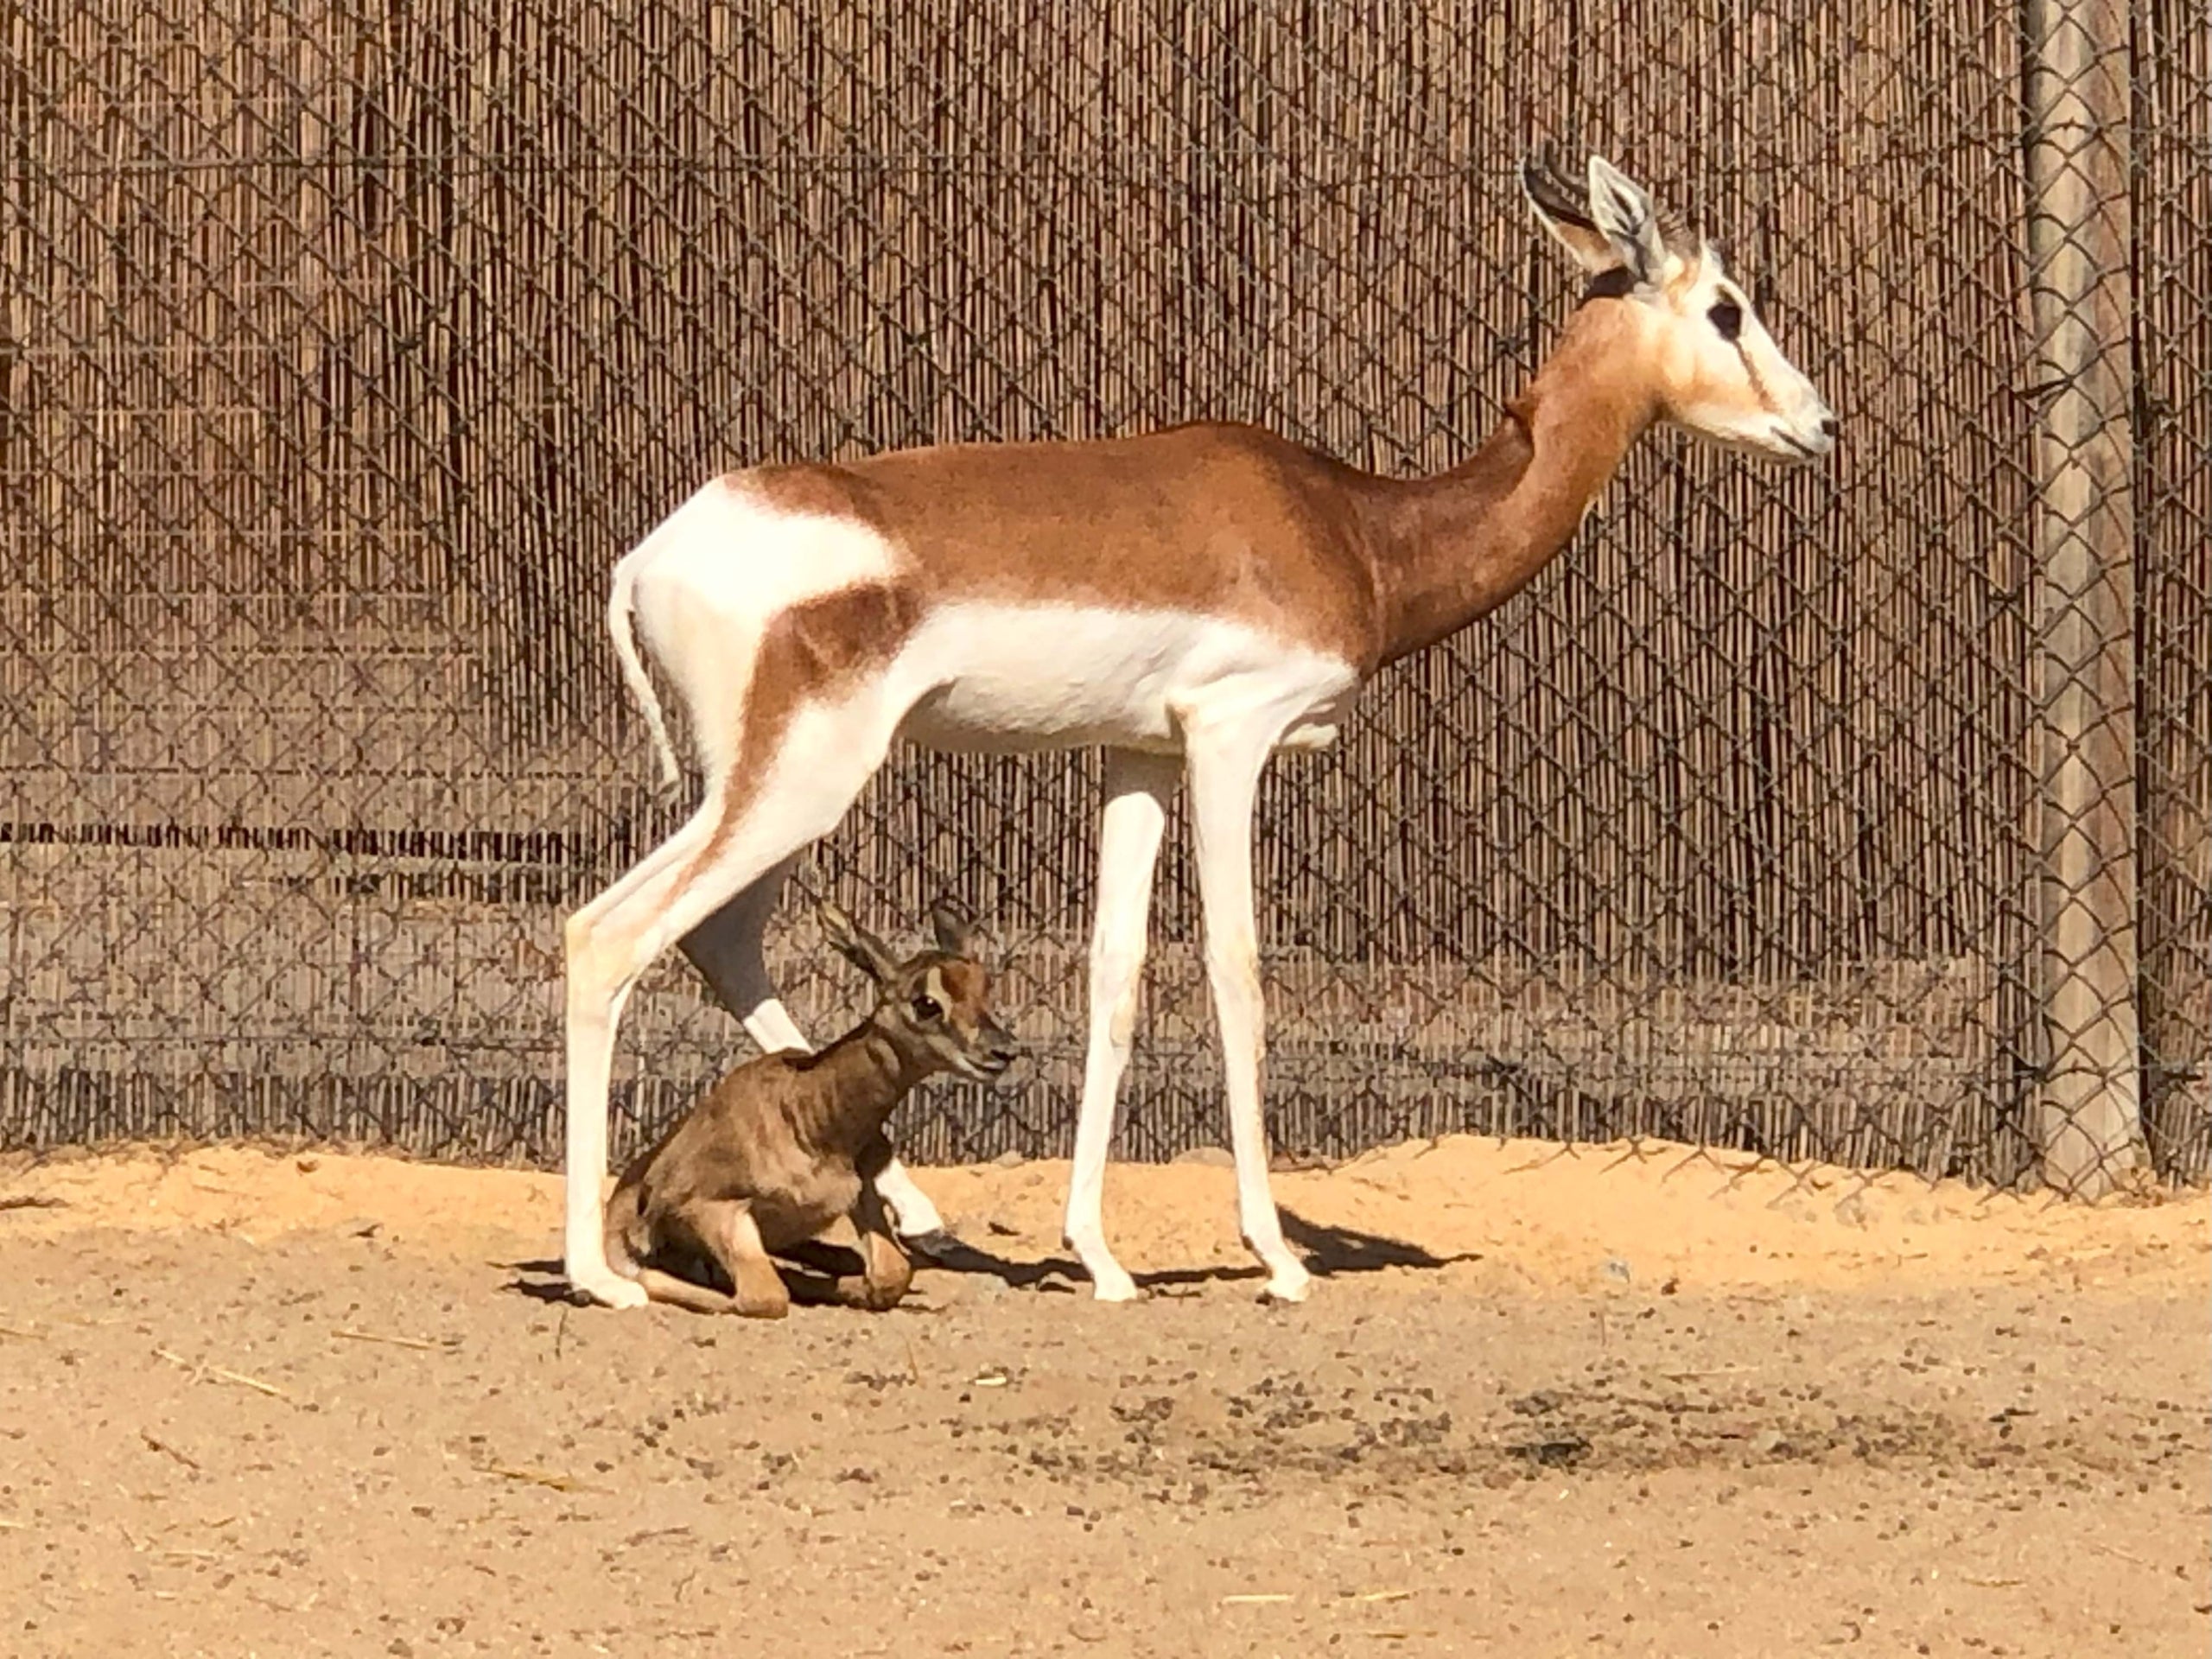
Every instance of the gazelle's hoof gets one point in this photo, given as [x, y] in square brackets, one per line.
[939, 1244]
[1288, 1285]
[608, 1289]
[1110, 1280]
[1114, 1287]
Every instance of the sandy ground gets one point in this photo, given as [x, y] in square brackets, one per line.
[1635, 1401]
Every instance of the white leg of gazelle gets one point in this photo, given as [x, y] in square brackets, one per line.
[1224, 768]
[1138, 790]
[591, 1017]
[598, 986]
[729, 846]
[727, 951]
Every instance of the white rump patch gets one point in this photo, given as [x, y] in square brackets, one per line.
[726, 548]
[713, 575]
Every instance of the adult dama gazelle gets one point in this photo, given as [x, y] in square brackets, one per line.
[1191, 599]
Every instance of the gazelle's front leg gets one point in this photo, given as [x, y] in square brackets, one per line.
[1138, 790]
[727, 951]
[1225, 765]
[911, 1213]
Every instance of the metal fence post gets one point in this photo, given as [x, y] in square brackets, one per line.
[2087, 1114]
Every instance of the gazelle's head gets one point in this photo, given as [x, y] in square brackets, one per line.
[1711, 366]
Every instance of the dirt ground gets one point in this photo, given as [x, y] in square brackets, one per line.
[1631, 1400]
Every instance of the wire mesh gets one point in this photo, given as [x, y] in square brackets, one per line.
[347, 347]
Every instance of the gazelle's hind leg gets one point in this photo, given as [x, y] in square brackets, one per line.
[726, 949]
[594, 1006]
[682, 1293]
[1226, 756]
[822, 757]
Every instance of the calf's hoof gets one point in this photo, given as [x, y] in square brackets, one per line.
[875, 1297]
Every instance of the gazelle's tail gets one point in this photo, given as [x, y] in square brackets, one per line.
[619, 624]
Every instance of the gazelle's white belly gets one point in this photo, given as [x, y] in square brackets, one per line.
[1007, 678]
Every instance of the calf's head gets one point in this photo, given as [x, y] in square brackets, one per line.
[935, 1004]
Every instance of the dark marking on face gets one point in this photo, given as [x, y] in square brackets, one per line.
[1758, 386]
[1615, 284]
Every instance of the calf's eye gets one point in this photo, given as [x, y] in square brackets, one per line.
[926, 1007]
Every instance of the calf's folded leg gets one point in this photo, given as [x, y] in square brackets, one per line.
[668, 1288]
[727, 1230]
[885, 1271]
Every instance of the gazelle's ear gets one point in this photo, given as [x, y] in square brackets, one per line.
[857, 945]
[1623, 215]
[1564, 209]
[954, 930]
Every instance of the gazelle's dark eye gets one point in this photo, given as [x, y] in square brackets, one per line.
[1727, 319]
[926, 1007]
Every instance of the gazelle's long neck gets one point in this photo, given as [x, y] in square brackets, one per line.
[1454, 547]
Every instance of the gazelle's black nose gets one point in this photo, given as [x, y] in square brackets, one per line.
[1828, 426]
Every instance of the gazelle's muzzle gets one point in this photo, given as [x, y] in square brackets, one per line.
[1806, 439]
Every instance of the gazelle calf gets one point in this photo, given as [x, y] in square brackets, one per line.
[788, 1142]
[1191, 600]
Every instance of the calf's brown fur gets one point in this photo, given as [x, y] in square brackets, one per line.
[786, 1143]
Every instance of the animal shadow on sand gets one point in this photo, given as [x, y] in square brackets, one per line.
[1331, 1252]
[811, 1270]
[542, 1281]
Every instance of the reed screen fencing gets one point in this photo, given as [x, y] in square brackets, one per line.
[1857, 812]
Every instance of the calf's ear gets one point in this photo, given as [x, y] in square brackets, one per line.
[956, 931]
[857, 945]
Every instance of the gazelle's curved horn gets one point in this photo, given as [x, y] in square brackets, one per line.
[1560, 197]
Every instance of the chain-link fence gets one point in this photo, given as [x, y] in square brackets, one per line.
[1857, 812]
